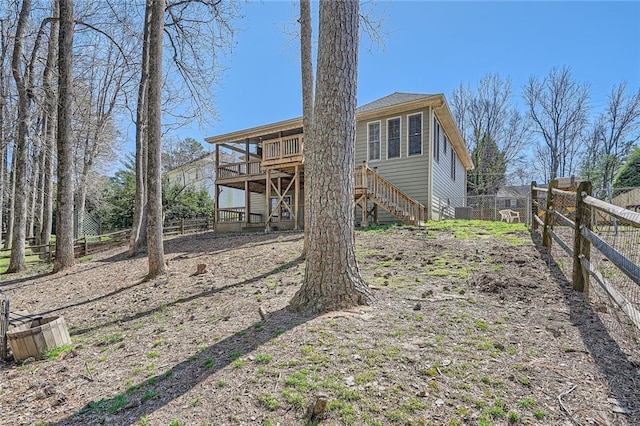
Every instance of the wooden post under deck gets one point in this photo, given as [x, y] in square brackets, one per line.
[247, 201]
[217, 193]
[296, 196]
[267, 194]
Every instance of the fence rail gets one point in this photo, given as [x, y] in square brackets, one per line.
[577, 221]
[89, 244]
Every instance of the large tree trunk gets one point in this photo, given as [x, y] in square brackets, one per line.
[307, 108]
[17, 261]
[64, 218]
[8, 239]
[138, 237]
[50, 131]
[155, 248]
[332, 278]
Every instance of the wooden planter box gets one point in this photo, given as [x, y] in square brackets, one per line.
[34, 338]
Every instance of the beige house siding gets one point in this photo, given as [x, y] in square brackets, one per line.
[447, 192]
[409, 173]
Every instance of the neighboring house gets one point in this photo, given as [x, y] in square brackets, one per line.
[200, 174]
[629, 198]
[513, 197]
[411, 165]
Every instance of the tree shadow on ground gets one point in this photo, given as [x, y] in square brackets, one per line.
[130, 406]
[621, 373]
[161, 307]
[217, 243]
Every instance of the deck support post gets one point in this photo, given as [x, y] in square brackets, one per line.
[247, 202]
[296, 197]
[267, 195]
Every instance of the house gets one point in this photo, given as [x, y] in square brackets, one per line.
[200, 175]
[411, 166]
[513, 197]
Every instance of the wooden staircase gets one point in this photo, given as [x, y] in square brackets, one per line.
[370, 186]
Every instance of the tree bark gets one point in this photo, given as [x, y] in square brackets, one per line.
[17, 260]
[332, 278]
[155, 248]
[50, 131]
[307, 109]
[64, 219]
[138, 237]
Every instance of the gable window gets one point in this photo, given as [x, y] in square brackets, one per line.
[453, 165]
[415, 134]
[393, 138]
[436, 139]
[373, 140]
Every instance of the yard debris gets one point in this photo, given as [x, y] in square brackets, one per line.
[201, 269]
[317, 408]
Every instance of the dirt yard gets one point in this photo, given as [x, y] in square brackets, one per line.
[470, 327]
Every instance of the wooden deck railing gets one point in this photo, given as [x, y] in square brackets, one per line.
[282, 150]
[239, 169]
[388, 196]
[237, 214]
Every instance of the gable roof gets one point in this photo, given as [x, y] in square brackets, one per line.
[393, 99]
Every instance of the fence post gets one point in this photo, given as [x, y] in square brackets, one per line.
[182, 226]
[86, 245]
[546, 238]
[534, 205]
[50, 254]
[581, 245]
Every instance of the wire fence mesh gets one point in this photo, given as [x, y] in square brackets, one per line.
[617, 298]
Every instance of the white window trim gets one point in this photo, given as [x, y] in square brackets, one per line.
[421, 134]
[387, 138]
[436, 136]
[379, 141]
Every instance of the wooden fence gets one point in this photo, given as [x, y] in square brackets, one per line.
[578, 222]
[88, 244]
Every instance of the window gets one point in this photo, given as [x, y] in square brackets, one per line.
[436, 139]
[415, 134]
[393, 138]
[373, 138]
[284, 212]
[453, 165]
[513, 203]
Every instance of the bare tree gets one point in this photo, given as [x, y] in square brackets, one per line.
[20, 154]
[332, 278]
[138, 237]
[64, 218]
[490, 125]
[155, 248]
[612, 136]
[558, 109]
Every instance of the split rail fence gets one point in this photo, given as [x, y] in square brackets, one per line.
[88, 244]
[595, 240]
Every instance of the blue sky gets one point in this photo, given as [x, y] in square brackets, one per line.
[430, 47]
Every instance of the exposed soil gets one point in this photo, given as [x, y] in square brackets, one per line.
[476, 330]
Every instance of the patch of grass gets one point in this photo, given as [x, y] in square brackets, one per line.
[174, 422]
[221, 384]
[269, 401]
[527, 403]
[209, 363]
[117, 404]
[144, 421]
[235, 355]
[159, 341]
[150, 394]
[153, 354]
[298, 380]
[263, 358]
[55, 353]
[294, 398]
[513, 416]
[110, 339]
[539, 414]
[239, 363]
[481, 324]
[414, 404]
[195, 401]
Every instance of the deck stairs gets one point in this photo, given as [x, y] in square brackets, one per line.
[371, 186]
